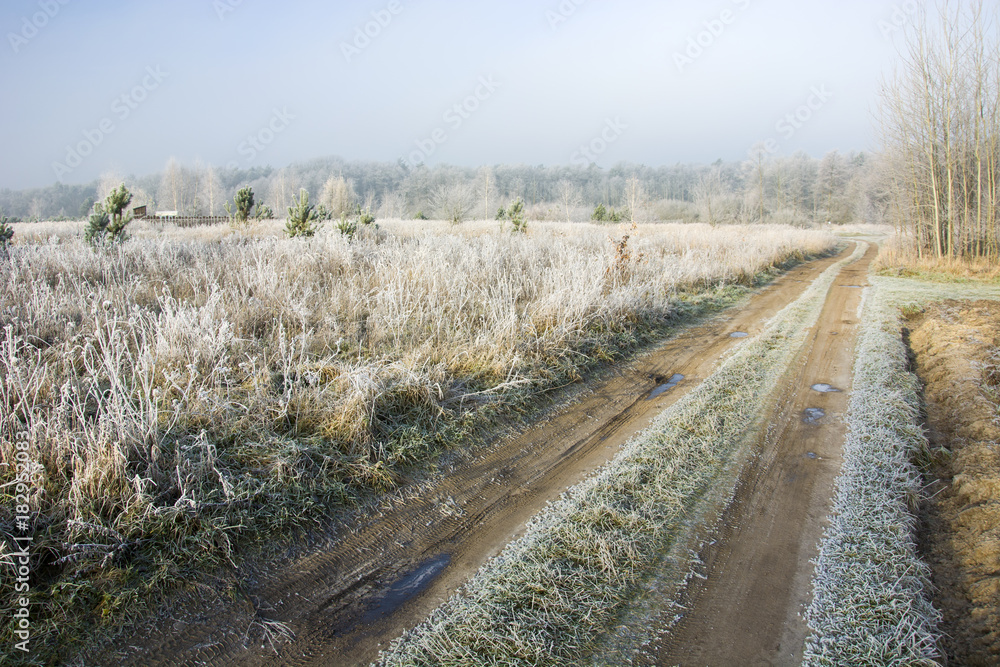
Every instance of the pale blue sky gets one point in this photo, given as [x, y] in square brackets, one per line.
[201, 77]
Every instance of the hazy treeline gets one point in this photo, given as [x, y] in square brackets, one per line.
[797, 189]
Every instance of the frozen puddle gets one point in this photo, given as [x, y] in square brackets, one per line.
[813, 415]
[406, 588]
[825, 388]
[664, 388]
[739, 334]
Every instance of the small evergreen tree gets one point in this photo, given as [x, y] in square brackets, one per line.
[365, 216]
[604, 214]
[514, 213]
[98, 224]
[301, 217]
[243, 201]
[115, 204]
[6, 233]
[263, 212]
[347, 226]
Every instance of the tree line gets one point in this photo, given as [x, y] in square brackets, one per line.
[797, 189]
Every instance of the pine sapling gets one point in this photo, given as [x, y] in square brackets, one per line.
[301, 217]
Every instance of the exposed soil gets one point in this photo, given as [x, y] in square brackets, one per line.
[747, 606]
[349, 599]
[952, 343]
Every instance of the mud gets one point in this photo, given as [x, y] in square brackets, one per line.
[340, 601]
[953, 344]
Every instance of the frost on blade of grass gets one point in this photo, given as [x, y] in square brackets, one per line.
[870, 604]
[549, 596]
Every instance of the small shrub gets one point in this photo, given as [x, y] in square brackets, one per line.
[420, 216]
[301, 218]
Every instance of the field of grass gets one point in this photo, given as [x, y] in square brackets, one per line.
[192, 390]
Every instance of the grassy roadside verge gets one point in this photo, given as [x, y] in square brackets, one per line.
[870, 604]
[150, 479]
[550, 595]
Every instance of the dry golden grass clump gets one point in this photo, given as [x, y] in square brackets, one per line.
[188, 386]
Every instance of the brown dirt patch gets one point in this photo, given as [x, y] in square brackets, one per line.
[953, 343]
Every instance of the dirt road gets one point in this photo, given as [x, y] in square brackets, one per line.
[749, 608]
[345, 602]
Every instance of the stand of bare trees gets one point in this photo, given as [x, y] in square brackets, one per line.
[940, 132]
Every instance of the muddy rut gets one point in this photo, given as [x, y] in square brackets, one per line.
[347, 601]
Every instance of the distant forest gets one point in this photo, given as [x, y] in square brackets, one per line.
[797, 190]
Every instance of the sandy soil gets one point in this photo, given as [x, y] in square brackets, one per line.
[748, 608]
[952, 343]
[349, 599]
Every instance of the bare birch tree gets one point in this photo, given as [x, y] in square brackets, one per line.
[940, 132]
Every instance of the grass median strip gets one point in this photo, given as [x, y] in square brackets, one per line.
[550, 595]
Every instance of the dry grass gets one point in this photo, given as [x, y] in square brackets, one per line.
[897, 257]
[192, 387]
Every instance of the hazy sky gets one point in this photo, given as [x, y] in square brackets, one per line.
[101, 84]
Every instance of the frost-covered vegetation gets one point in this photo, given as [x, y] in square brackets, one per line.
[189, 388]
[550, 595]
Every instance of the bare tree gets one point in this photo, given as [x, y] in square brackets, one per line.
[210, 191]
[488, 191]
[707, 194]
[940, 132]
[172, 186]
[453, 201]
[569, 197]
[635, 199]
[338, 196]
